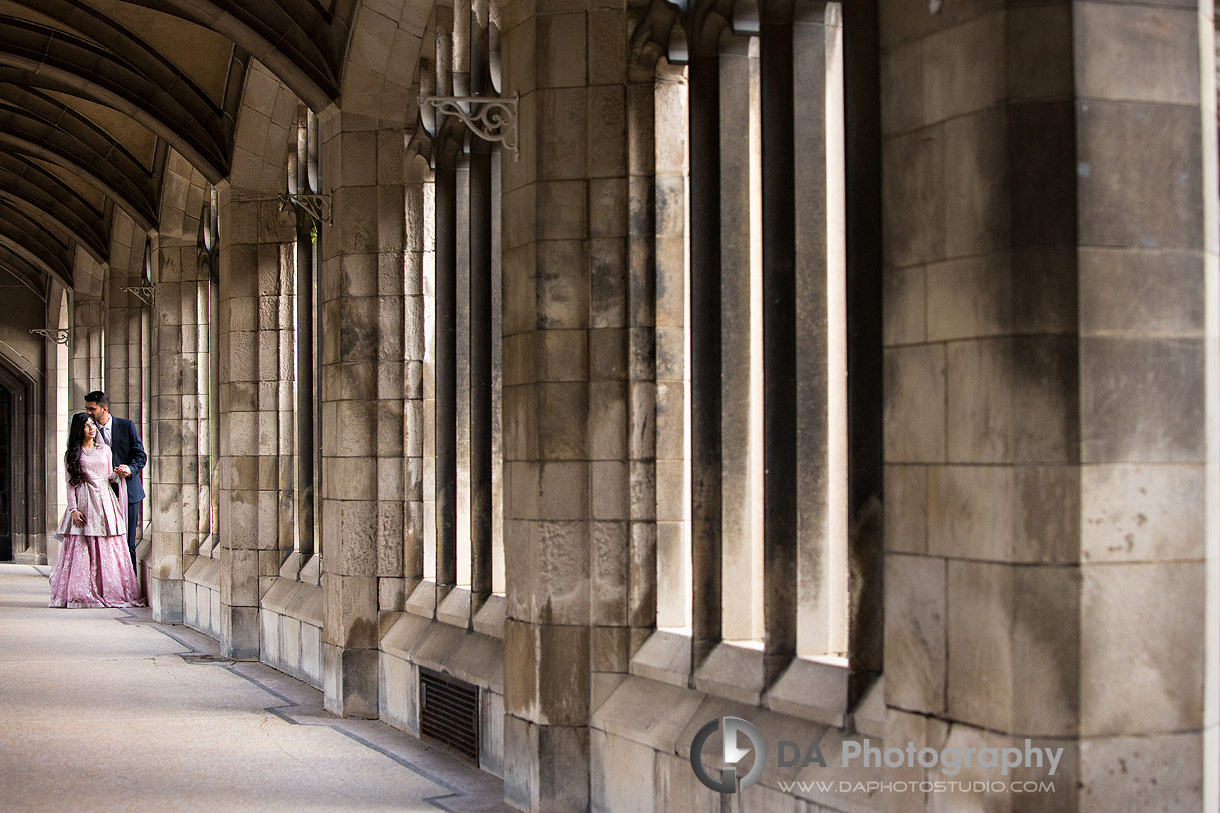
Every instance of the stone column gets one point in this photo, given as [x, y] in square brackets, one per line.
[256, 370]
[566, 502]
[177, 471]
[1145, 179]
[86, 347]
[659, 305]
[362, 490]
[56, 407]
[416, 416]
[639, 318]
[740, 362]
[1050, 486]
[127, 342]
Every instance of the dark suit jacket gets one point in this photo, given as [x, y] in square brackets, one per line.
[127, 450]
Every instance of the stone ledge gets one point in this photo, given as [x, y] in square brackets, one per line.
[489, 620]
[280, 593]
[303, 602]
[454, 608]
[665, 719]
[311, 571]
[735, 672]
[648, 712]
[664, 657]
[308, 605]
[204, 572]
[814, 689]
[403, 635]
[422, 601]
[469, 656]
[291, 566]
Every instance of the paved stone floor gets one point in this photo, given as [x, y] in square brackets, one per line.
[108, 710]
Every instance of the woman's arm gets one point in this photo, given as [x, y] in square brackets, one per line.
[78, 516]
[70, 498]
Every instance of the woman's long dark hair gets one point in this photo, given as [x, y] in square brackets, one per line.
[76, 435]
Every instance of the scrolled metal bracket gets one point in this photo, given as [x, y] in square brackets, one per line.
[491, 118]
[144, 293]
[58, 335]
[318, 206]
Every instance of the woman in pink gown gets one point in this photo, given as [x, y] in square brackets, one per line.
[94, 567]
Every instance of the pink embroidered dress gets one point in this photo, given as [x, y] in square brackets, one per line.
[94, 567]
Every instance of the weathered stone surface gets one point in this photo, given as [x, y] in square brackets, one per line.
[915, 639]
[1147, 773]
[1138, 621]
[914, 411]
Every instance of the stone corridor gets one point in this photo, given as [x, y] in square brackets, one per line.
[548, 380]
[109, 710]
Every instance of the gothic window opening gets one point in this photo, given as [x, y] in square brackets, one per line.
[208, 247]
[302, 260]
[454, 195]
[751, 374]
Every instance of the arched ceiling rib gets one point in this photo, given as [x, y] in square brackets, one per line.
[95, 93]
[32, 123]
[39, 194]
[300, 41]
[33, 275]
[141, 85]
[33, 240]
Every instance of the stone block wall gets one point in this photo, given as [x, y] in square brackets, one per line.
[201, 594]
[1049, 249]
[257, 288]
[1038, 404]
[176, 477]
[290, 624]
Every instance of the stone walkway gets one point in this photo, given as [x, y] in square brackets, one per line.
[108, 710]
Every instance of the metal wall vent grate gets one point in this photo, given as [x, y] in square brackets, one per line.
[449, 713]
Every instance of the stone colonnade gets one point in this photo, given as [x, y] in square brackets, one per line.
[1049, 424]
[567, 398]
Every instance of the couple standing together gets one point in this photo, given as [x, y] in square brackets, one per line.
[96, 566]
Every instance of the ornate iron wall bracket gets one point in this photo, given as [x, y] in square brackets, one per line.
[491, 118]
[58, 335]
[144, 293]
[318, 206]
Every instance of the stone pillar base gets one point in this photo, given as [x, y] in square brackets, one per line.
[546, 767]
[165, 598]
[350, 681]
[239, 633]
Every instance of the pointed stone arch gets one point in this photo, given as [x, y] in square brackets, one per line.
[36, 125]
[128, 76]
[32, 189]
[298, 40]
[32, 239]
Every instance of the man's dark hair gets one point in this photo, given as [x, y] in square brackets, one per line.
[97, 397]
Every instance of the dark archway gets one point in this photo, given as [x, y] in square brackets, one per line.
[22, 486]
[6, 476]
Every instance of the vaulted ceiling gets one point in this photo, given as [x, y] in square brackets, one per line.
[94, 93]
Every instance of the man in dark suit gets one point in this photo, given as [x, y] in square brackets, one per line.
[129, 458]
